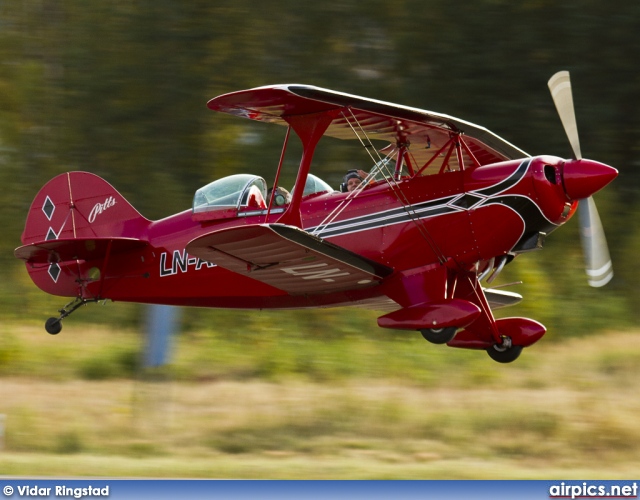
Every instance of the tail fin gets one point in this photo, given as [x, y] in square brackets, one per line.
[80, 205]
[74, 222]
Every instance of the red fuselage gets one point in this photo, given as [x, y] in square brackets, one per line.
[457, 219]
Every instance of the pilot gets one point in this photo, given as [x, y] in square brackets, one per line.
[352, 179]
[282, 196]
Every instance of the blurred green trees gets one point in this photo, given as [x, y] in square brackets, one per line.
[119, 89]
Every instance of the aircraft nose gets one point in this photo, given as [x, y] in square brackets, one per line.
[582, 178]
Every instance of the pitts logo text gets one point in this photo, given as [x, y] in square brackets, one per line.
[98, 208]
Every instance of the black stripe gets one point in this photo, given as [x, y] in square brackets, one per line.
[534, 220]
[385, 215]
[397, 219]
[441, 206]
[509, 182]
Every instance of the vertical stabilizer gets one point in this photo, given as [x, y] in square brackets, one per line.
[80, 205]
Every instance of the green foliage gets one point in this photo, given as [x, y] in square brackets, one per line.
[24, 435]
[11, 353]
[69, 442]
[112, 363]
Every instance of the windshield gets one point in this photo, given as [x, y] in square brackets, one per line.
[235, 191]
[315, 185]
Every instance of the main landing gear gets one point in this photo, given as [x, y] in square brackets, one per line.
[505, 352]
[53, 326]
[439, 335]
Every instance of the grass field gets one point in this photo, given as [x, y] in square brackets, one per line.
[287, 407]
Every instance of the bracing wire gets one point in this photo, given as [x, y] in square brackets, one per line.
[378, 164]
[392, 183]
[351, 196]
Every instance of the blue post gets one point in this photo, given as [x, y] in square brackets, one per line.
[162, 323]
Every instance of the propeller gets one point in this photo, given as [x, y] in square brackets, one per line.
[594, 243]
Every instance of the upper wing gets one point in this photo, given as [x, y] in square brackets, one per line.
[287, 258]
[426, 131]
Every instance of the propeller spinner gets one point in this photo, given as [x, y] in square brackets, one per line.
[582, 178]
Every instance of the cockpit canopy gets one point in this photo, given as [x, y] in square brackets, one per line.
[314, 185]
[234, 192]
[242, 194]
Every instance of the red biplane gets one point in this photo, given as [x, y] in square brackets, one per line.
[446, 205]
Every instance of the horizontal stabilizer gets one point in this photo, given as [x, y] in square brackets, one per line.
[67, 249]
[287, 258]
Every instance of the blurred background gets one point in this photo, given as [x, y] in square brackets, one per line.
[119, 88]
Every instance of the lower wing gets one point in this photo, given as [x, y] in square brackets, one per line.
[288, 258]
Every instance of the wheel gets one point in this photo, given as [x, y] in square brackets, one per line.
[439, 335]
[53, 326]
[507, 355]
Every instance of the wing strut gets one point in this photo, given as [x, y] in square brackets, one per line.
[310, 129]
[465, 146]
[434, 157]
[275, 182]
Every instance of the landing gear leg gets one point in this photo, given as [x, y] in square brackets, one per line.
[53, 326]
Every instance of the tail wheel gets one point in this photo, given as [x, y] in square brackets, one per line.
[439, 335]
[53, 326]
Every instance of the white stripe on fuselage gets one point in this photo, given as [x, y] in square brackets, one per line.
[403, 214]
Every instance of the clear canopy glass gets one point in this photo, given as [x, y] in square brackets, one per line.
[236, 191]
[315, 185]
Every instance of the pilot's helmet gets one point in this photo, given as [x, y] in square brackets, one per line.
[282, 196]
[351, 174]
